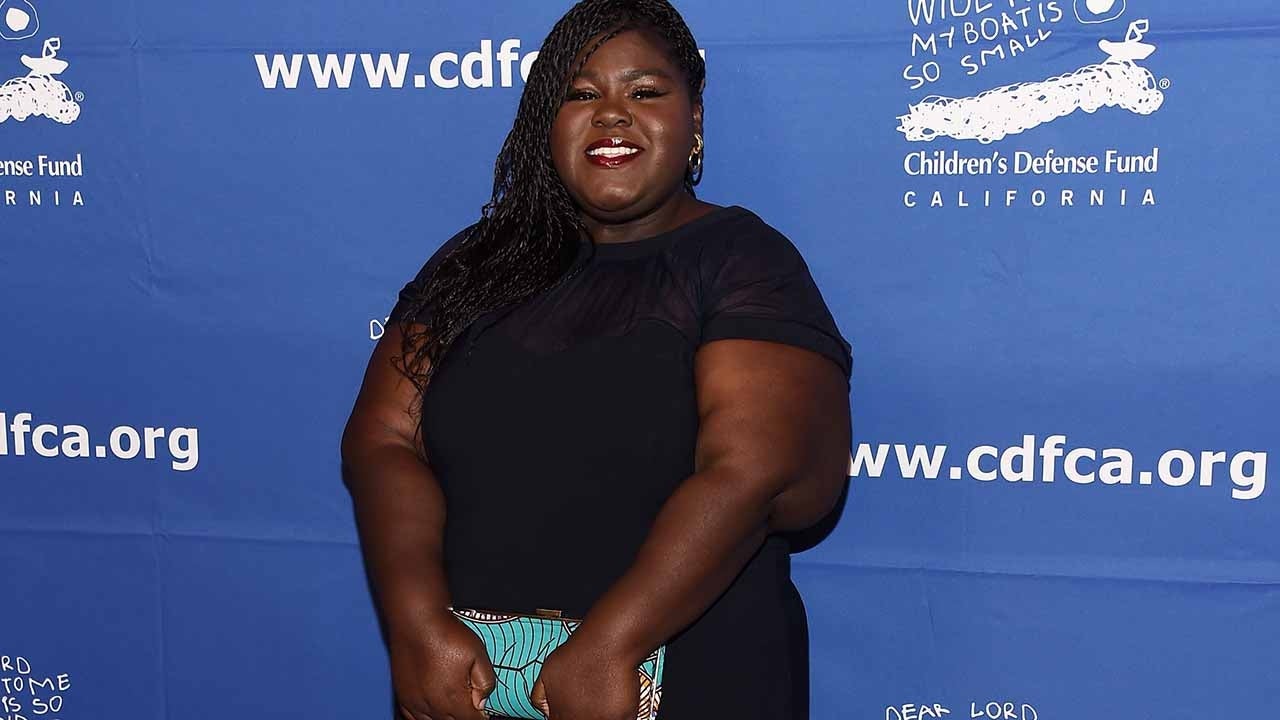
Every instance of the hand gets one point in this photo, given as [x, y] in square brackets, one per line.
[440, 670]
[582, 680]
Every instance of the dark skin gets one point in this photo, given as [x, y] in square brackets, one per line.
[771, 452]
[439, 668]
[629, 88]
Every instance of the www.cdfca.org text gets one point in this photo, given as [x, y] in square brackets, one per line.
[1047, 460]
[19, 435]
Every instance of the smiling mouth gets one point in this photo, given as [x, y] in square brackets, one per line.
[612, 152]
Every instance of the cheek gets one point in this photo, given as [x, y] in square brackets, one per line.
[675, 136]
[565, 137]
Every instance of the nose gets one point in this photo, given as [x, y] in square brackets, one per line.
[611, 112]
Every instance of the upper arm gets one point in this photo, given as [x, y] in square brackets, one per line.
[775, 417]
[772, 375]
[383, 411]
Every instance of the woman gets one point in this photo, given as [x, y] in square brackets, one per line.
[618, 395]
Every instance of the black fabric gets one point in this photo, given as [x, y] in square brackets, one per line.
[559, 427]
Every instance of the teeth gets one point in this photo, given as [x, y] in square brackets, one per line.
[613, 151]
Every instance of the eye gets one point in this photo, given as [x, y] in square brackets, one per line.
[574, 94]
[647, 92]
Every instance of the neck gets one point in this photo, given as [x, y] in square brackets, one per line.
[675, 212]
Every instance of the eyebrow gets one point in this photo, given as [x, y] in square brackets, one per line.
[629, 75]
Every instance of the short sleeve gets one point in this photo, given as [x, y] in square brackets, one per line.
[757, 286]
[414, 286]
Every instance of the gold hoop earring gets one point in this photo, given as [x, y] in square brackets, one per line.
[697, 148]
[695, 159]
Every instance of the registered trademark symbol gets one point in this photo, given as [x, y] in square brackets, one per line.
[79, 96]
[1164, 83]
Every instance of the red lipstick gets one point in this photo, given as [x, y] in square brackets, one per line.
[611, 152]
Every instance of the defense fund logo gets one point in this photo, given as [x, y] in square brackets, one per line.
[39, 95]
[969, 36]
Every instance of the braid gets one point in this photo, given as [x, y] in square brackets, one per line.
[527, 235]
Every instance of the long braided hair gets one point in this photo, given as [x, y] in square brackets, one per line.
[528, 232]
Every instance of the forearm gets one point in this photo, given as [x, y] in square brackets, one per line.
[400, 514]
[704, 535]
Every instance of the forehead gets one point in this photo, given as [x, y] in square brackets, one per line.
[630, 50]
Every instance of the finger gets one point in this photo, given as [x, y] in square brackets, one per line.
[453, 704]
[408, 714]
[482, 681]
[538, 697]
[450, 708]
[436, 708]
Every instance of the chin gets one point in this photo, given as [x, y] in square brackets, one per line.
[614, 202]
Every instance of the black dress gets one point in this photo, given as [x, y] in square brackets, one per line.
[557, 429]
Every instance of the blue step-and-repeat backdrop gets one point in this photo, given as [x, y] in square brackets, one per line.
[1048, 228]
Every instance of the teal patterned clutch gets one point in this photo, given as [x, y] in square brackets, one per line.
[518, 645]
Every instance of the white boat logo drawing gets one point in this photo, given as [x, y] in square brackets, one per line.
[40, 92]
[995, 114]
